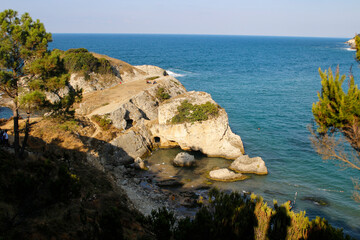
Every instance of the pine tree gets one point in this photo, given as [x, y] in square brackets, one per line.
[22, 40]
[357, 43]
[29, 73]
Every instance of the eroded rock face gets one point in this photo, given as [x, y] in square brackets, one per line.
[96, 82]
[143, 118]
[351, 43]
[245, 164]
[184, 159]
[225, 174]
[212, 137]
[152, 70]
[132, 143]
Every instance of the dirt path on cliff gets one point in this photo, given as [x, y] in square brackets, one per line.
[105, 101]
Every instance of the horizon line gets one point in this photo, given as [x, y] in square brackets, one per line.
[205, 34]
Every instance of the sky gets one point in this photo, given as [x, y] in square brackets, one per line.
[308, 18]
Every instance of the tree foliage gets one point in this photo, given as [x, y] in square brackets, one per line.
[337, 118]
[82, 61]
[336, 110]
[21, 41]
[357, 43]
[30, 75]
[49, 76]
[240, 216]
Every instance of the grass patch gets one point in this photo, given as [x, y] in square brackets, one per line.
[152, 78]
[103, 121]
[70, 125]
[162, 94]
[176, 83]
[188, 112]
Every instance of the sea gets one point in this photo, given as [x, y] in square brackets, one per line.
[267, 85]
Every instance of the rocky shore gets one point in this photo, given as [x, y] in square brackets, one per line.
[351, 43]
[139, 104]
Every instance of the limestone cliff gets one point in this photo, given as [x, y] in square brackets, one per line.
[212, 137]
[141, 115]
[352, 42]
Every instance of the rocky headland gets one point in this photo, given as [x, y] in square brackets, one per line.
[125, 116]
[352, 43]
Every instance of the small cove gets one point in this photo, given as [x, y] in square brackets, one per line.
[267, 86]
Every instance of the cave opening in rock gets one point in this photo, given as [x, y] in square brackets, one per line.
[129, 123]
[197, 154]
[156, 139]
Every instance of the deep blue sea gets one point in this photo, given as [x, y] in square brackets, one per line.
[263, 82]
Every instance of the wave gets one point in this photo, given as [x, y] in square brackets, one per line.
[350, 49]
[171, 73]
[330, 190]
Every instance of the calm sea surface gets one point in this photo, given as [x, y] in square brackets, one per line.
[263, 82]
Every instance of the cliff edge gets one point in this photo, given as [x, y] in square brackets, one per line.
[140, 108]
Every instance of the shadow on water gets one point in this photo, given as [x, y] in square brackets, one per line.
[320, 211]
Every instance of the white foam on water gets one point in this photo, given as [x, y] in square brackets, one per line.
[330, 190]
[171, 73]
[350, 49]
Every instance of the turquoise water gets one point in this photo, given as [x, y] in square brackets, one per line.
[5, 112]
[263, 82]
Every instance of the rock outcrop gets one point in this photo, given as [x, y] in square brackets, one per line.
[139, 163]
[152, 71]
[212, 137]
[184, 159]
[95, 82]
[143, 117]
[226, 175]
[351, 43]
[245, 164]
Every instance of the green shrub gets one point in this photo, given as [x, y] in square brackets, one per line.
[81, 60]
[70, 125]
[188, 112]
[320, 229]
[103, 121]
[357, 43]
[38, 184]
[110, 224]
[161, 94]
[162, 223]
[238, 216]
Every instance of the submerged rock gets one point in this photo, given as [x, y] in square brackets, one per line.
[184, 159]
[225, 174]
[245, 164]
[169, 183]
[316, 200]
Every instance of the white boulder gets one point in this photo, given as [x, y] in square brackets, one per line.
[225, 174]
[184, 159]
[245, 164]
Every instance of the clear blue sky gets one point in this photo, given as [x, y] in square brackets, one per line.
[322, 18]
